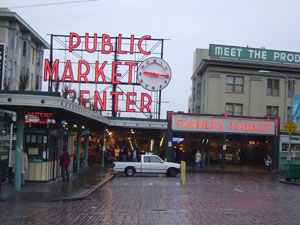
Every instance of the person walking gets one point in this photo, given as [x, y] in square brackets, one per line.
[198, 159]
[134, 155]
[24, 165]
[124, 154]
[268, 162]
[64, 163]
[203, 158]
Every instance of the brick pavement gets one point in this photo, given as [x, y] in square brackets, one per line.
[206, 198]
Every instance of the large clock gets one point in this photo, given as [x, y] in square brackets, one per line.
[154, 74]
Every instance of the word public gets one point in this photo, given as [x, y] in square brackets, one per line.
[83, 73]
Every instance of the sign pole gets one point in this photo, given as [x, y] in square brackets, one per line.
[289, 158]
[223, 165]
[103, 147]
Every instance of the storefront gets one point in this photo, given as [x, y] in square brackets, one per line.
[227, 140]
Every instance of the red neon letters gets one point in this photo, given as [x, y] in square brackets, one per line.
[224, 125]
[82, 72]
[106, 46]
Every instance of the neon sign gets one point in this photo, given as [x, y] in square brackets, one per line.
[220, 124]
[95, 72]
[39, 118]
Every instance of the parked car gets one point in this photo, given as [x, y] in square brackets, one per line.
[147, 164]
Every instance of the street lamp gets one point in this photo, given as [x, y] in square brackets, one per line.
[290, 79]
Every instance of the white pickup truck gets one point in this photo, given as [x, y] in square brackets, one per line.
[148, 164]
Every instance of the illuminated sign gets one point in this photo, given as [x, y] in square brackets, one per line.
[39, 118]
[259, 54]
[216, 124]
[33, 151]
[176, 139]
[95, 72]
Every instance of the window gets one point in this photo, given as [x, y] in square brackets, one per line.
[272, 111]
[288, 113]
[38, 58]
[37, 83]
[198, 90]
[273, 87]
[234, 109]
[198, 109]
[152, 159]
[15, 70]
[290, 89]
[147, 159]
[10, 69]
[234, 84]
[194, 94]
[24, 48]
[294, 147]
[32, 60]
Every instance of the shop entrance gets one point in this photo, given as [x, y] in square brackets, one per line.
[242, 151]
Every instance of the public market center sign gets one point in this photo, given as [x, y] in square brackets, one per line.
[258, 54]
[154, 73]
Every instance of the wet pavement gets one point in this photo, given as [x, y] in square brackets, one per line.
[81, 184]
[206, 198]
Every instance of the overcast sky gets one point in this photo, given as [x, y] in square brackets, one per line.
[189, 24]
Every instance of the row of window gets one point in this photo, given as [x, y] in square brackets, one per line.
[235, 84]
[14, 45]
[12, 73]
[26, 53]
[294, 147]
[233, 109]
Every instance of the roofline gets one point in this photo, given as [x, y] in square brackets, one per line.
[14, 15]
[14, 100]
[245, 64]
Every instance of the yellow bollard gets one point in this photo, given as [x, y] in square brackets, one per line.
[183, 165]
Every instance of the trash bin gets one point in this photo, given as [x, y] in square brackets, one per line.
[292, 172]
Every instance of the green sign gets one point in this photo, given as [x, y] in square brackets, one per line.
[259, 54]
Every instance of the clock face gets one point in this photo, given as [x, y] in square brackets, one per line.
[154, 74]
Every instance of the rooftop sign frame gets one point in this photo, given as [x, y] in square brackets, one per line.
[111, 65]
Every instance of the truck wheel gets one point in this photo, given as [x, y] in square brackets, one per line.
[172, 172]
[130, 171]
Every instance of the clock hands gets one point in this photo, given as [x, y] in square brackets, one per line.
[157, 74]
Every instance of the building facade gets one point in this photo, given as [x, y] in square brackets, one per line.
[21, 68]
[22, 50]
[246, 82]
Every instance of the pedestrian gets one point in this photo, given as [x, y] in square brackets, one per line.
[203, 158]
[134, 155]
[117, 153]
[198, 159]
[268, 162]
[24, 166]
[124, 154]
[64, 163]
[106, 157]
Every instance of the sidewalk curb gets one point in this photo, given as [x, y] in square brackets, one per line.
[90, 191]
[289, 182]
